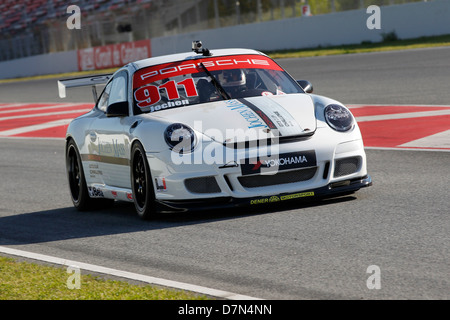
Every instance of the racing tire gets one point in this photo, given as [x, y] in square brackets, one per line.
[77, 183]
[141, 183]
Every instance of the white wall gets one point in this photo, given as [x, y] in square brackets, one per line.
[348, 27]
[51, 63]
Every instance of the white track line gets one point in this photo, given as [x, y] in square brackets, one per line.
[127, 275]
[43, 114]
[406, 115]
[43, 107]
[354, 106]
[407, 149]
[439, 140]
[35, 127]
[11, 105]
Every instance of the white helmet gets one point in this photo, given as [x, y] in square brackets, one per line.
[232, 78]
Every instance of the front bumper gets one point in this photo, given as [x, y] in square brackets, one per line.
[330, 190]
[336, 164]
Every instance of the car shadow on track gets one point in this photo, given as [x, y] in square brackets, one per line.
[68, 223]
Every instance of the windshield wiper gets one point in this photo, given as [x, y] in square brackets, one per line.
[216, 84]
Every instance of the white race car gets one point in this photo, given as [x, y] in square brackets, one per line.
[209, 129]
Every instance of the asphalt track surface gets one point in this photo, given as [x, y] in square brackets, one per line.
[298, 251]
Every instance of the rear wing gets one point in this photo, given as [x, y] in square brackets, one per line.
[82, 82]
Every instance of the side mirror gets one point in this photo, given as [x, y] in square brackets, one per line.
[306, 85]
[118, 109]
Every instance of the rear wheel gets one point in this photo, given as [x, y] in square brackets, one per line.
[77, 182]
[141, 183]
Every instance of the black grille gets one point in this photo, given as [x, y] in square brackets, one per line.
[202, 185]
[346, 166]
[267, 142]
[264, 180]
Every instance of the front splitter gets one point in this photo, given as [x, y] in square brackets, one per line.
[330, 190]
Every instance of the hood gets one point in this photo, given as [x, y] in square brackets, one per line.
[248, 119]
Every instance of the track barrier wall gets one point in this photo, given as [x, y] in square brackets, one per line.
[347, 27]
[51, 63]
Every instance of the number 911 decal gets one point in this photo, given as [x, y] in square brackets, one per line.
[151, 94]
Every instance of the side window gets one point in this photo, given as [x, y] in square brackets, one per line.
[118, 91]
[103, 100]
[115, 91]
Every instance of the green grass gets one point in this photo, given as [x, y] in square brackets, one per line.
[391, 43]
[30, 281]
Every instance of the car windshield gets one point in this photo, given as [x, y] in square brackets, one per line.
[189, 82]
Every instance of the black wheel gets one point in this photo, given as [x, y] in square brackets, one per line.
[77, 182]
[141, 183]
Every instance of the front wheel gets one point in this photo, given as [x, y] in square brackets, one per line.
[141, 183]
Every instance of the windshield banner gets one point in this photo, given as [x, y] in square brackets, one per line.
[167, 70]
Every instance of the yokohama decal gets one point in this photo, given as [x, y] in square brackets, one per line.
[286, 161]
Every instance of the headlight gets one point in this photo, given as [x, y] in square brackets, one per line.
[180, 138]
[338, 117]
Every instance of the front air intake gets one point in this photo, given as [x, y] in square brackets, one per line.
[347, 166]
[202, 185]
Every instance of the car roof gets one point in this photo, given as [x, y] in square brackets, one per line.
[190, 56]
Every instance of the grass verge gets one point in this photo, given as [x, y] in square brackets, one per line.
[21, 280]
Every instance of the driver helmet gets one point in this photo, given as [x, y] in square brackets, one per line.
[232, 78]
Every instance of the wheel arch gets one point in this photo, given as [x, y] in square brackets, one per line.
[69, 138]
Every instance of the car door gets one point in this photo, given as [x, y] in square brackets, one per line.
[108, 139]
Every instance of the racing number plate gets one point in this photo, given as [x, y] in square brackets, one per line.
[285, 161]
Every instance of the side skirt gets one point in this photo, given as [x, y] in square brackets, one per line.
[108, 192]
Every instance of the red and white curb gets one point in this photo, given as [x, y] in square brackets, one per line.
[39, 120]
[411, 127]
[126, 275]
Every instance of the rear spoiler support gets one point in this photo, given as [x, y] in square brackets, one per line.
[82, 82]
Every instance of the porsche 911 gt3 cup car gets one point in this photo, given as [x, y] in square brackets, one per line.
[207, 129]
